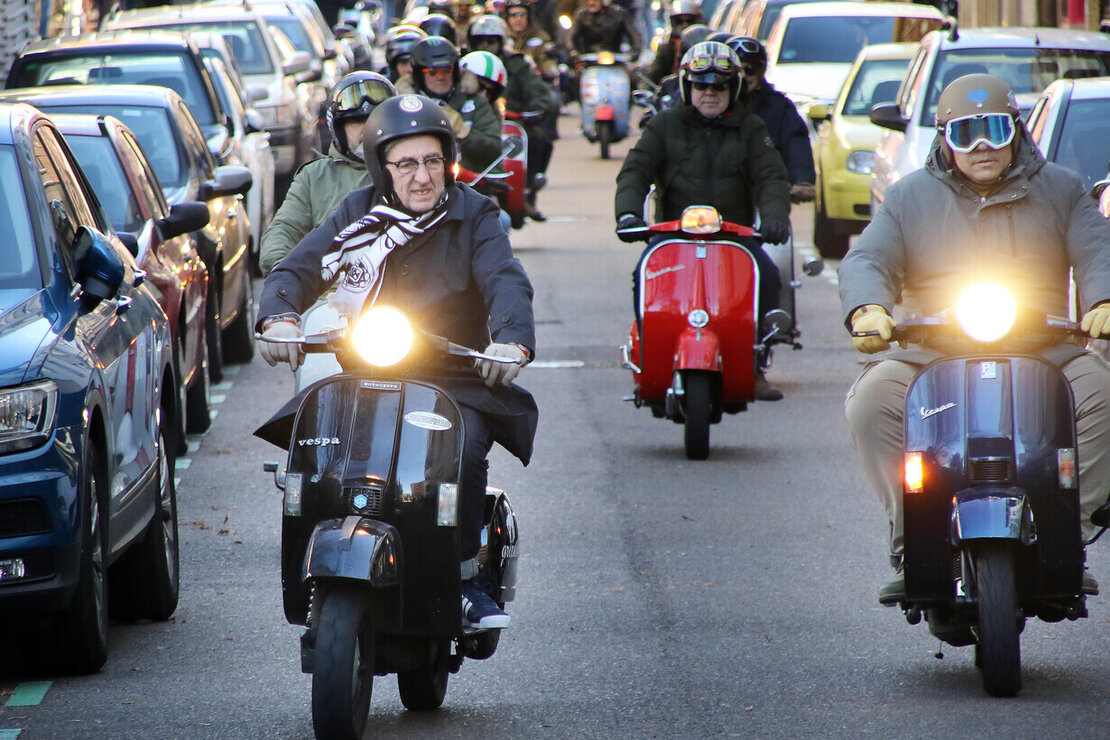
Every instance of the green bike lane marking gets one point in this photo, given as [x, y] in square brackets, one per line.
[28, 694]
[9, 734]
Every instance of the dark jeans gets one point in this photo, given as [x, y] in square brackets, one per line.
[770, 282]
[472, 488]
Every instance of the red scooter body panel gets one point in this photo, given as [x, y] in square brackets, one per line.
[516, 164]
[680, 276]
[605, 113]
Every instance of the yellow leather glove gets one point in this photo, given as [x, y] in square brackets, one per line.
[458, 124]
[1096, 322]
[872, 318]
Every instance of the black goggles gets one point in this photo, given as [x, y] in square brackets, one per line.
[364, 95]
[996, 130]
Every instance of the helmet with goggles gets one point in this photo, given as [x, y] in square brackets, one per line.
[354, 98]
[399, 41]
[749, 50]
[489, 26]
[709, 63]
[400, 117]
[975, 109]
[433, 55]
[438, 24]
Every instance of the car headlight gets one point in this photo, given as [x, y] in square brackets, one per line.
[860, 162]
[277, 116]
[27, 415]
[986, 312]
[383, 336]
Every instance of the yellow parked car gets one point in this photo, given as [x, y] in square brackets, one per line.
[844, 148]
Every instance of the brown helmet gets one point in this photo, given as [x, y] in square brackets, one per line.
[972, 95]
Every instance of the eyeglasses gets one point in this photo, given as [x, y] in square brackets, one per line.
[996, 130]
[518, 13]
[363, 95]
[408, 167]
[439, 71]
[717, 86]
[718, 62]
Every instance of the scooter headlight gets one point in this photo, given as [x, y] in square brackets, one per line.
[986, 312]
[700, 220]
[383, 336]
[605, 57]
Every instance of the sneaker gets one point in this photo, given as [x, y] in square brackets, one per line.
[894, 591]
[1090, 585]
[479, 610]
[764, 391]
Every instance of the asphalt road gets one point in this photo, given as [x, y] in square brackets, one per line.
[659, 597]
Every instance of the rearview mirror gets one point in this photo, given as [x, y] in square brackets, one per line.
[184, 218]
[889, 116]
[100, 269]
[230, 179]
[299, 62]
[818, 112]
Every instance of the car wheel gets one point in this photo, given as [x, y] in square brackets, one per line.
[831, 241]
[238, 339]
[213, 334]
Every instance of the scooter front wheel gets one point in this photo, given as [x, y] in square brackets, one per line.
[604, 137]
[998, 649]
[343, 673]
[698, 408]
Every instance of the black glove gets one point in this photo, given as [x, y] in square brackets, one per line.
[630, 221]
[774, 231]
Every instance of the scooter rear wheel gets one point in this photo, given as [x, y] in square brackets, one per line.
[998, 650]
[698, 408]
[343, 673]
[423, 689]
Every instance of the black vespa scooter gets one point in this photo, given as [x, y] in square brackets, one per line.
[369, 543]
[991, 488]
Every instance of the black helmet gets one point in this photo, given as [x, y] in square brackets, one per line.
[354, 98]
[438, 24]
[399, 41]
[449, 8]
[749, 50]
[526, 4]
[434, 52]
[710, 62]
[723, 37]
[397, 118]
[691, 35]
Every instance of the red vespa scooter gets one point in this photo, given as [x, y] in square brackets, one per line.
[698, 347]
[508, 187]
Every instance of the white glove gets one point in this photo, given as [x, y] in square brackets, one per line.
[274, 352]
[501, 372]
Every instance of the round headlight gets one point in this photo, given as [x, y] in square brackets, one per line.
[383, 336]
[986, 312]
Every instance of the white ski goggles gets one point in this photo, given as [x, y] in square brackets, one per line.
[996, 130]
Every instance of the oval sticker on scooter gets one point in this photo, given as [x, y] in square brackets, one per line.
[428, 420]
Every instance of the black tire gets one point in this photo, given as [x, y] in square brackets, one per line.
[198, 401]
[238, 339]
[698, 407]
[604, 137]
[829, 239]
[212, 333]
[423, 690]
[181, 444]
[343, 673]
[83, 628]
[998, 650]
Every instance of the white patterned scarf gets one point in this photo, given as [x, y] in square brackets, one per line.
[360, 251]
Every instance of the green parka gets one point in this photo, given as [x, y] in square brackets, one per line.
[317, 190]
[483, 144]
[729, 163]
[526, 91]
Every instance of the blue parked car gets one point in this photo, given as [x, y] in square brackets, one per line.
[87, 402]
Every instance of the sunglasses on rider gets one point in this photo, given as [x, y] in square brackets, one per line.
[364, 95]
[438, 71]
[518, 13]
[717, 86]
[996, 130]
[715, 62]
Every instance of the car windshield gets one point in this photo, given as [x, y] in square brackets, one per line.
[101, 165]
[244, 38]
[19, 267]
[1083, 144]
[838, 39]
[876, 82]
[153, 129]
[173, 70]
[1024, 70]
[296, 32]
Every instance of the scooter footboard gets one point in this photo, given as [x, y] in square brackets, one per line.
[354, 547]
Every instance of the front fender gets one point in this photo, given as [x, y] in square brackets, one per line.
[356, 548]
[698, 349]
[997, 515]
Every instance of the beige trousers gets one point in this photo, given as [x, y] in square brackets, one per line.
[877, 400]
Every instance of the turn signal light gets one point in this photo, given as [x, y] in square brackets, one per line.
[914, 473]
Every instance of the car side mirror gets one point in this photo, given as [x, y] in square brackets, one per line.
[296, 64]
[256, 93]
[230, 179]
[131, 241]
[184, 218]
[255, 122]
[330, 53]
[309, 75]
[889, 116]
[818, 112]
[100, 269]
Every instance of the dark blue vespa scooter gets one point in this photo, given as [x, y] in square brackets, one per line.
[369, 543]
[991, 488]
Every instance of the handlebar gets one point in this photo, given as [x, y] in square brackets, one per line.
[1028, 321]
[333, 341]
[642, 233]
